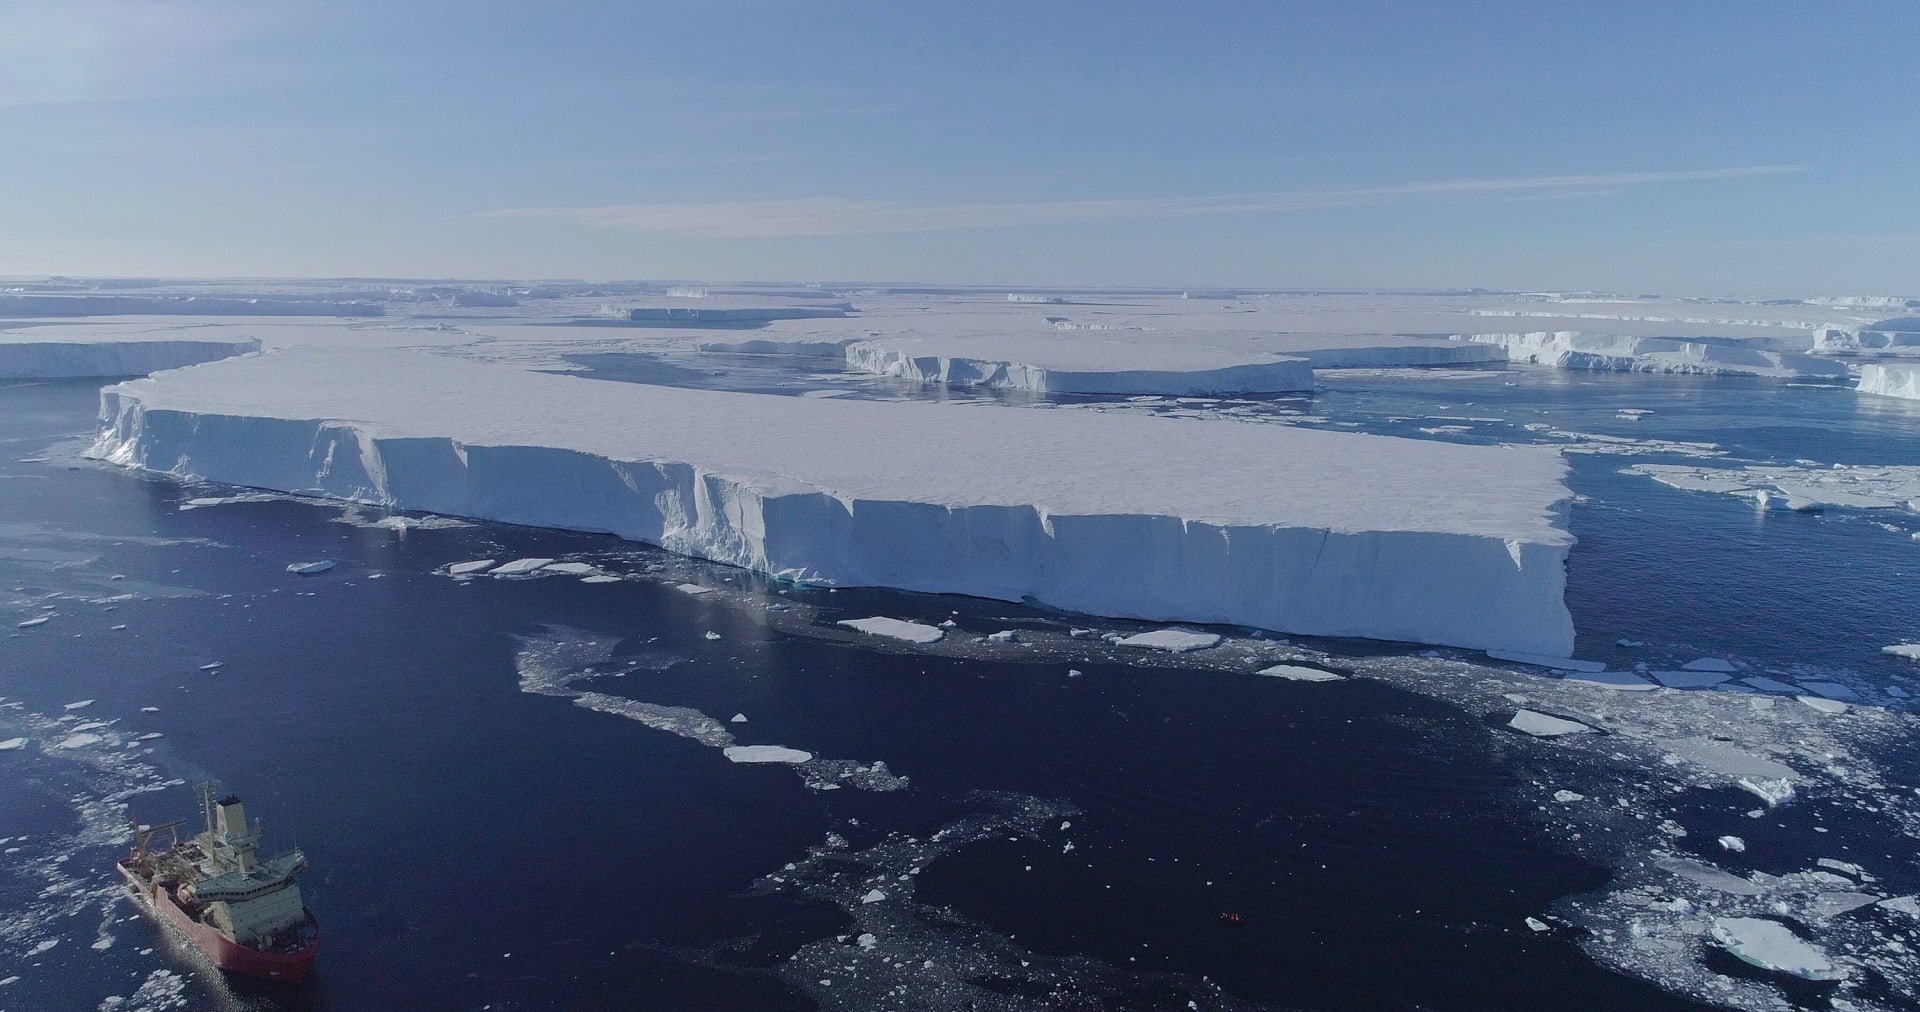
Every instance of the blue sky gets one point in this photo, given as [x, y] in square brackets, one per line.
[1701, 148]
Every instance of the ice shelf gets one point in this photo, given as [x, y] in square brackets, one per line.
[1278, 527]
[1080, 364]
[1572, 349]
[33, 354]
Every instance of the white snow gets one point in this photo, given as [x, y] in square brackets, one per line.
[893, 628]
[1300, 673]
[476, 566]
[766, 754]
[1545, 661]
[1771, 945]
[1315, 532]
[1891, 381]
[309, 568]
[1177, 641]
[1542, 725]
[521, 566]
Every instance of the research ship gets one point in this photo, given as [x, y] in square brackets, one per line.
[243, 912]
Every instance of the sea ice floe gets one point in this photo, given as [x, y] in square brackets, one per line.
[1831, 690]
[1566, 797]
[570, 568]
[1823, 704]
[1719, 664]
[1004, 636]
[1796, 487]
[1173, 640]
[1620, 680]
[693, 589]
[1688, 679]
[1911, 651]
[1542, 725]
[1301, 673]
[30, 623]
[81, 740]
[893, 628]
[1773, 792]
[519, 567]
[766, 754]
[1765, 684]
[1771, 945]
[309, 568]
[1733, 843]
[80, 705]
[11, 744]
[738, 718]
[1545, 661]
[476, 566]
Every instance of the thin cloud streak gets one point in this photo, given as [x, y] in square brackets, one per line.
[824, 216]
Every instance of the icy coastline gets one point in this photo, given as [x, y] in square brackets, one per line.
[1297, 530]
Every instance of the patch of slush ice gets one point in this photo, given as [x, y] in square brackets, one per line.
[893, 628]
[1771, 945]
[1173, 640]
[519, 567]
[162, 990]
[1545, 661]
[309, 568]
[766, 754]
[1732, 843]
[1301, 673]
[1542, 725]
[681, 720]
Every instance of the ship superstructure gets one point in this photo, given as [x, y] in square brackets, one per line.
[243, 911]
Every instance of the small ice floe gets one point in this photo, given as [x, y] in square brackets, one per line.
[1536, 924]
[116, 628]
[1074, 672]
[1771, 945]
[866, 940]
[309, 568]
[1633, 414]
[693, 589]
[1542, 725]
[711, 635]
[601, 578]
[1689, 679]
[1629, 644]
[519, 567]
[1774, 792]
[738, 718]
[30, 623]
[1733, 843]
[1300, 673]
[149, 709]
[1909, 905]
[464, 568]
[875, 896]
[1547, 661]
[81, 705]
[1173, 640]
[766, 754]
[13, 744]
[1004, 636]
[1719, 664]
[893, 628]
[212, 666]
[1831, 690]
[570, 568]
[1911, 651]
[150, 735]
[1765, 684]
[1620, 680]
[1823, 704]
[1568, 797]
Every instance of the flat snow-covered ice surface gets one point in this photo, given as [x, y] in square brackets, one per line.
[1327, 533]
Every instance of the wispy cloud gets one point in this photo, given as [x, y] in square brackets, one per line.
[819, 216]
[75, 51]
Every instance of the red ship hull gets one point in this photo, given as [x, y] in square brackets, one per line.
[226, 954]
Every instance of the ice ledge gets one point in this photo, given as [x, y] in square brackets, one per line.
[110, 356]
[1327, 534]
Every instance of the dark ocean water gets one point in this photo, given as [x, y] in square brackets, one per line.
[475, 845]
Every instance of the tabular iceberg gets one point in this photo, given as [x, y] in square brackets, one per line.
[1572, 349]
[1891, 381]
[1305, 531]
[1080, 365]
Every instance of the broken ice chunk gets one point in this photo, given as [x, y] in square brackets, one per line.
[12, 743]
[766, 754]
[1911, 651]
[1300, 673]
[1004, 636]
[570, 568]
[1773, 792]
[1614, 680]
[1568, 797]
[520, 566]
[1824, 705]
[309, 568]
[1541, 725]
[462, 568]
[1546, 661]
[738, 718]
[1733, 843]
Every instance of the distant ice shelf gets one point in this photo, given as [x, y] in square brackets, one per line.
[1080, 365]
[26, 354]
[1600, 352]
[1276, 527]
[1891, 380]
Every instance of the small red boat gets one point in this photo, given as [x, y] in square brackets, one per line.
[242, 911]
